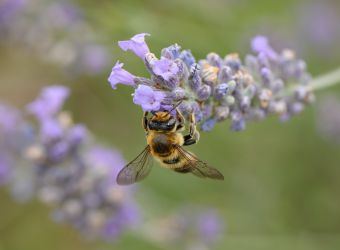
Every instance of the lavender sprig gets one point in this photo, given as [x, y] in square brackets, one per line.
[215, 88]
[61, 165]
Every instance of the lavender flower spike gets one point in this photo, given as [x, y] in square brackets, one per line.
[60, 164]
[120, 75]
[136, 44]
[218, 88]
[147, 98]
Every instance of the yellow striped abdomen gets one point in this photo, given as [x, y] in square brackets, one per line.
[163, 148]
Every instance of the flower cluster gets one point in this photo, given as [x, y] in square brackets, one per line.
[201, 227]
[215, 88]
[61, 165]
[56, 31]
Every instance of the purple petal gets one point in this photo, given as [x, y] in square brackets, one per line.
[49, 102]
[147, 98]
[260, 44]
[209, 226]
[136, 44]
[50, 130]
[120, 75]
[77, 134]
[165, 68]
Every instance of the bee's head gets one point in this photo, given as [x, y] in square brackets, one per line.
[162, 121]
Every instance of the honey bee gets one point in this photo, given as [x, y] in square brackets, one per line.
[164, 143]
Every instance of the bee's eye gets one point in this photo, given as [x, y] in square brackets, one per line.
[171, 122]
[152, 124]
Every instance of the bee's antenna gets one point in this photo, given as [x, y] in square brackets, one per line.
[179, 103]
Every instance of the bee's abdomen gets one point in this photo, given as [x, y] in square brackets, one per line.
[162, 149]
[172, 161]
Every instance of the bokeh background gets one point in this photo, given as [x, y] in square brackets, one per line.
[282, 183]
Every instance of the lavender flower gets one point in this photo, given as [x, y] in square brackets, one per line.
[188, 229]
[260, 44]
[209, 226]
[62, 166]
[215, 89]
[136, 44]
[94, 204]
[10, 9]
[45, 109]
[317, 23]
[165, 68]
[120, 75]
[147, 98]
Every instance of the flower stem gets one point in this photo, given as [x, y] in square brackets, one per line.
[326, 80]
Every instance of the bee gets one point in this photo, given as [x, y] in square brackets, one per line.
[165, 144]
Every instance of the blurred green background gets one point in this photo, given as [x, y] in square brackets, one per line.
[282, 183]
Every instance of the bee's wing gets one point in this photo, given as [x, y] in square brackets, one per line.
[198, 167]
[137, 169]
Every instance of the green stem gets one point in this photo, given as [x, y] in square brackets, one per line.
[326, 80]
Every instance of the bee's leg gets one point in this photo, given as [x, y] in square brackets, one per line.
[145, 121]
[180, 119]
[193, 135]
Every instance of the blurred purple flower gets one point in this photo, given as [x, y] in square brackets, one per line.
[10, 8]
[188, 229]
[120, 75]
[127, 215]
[136, 44]
[50, 130]
[208, 125]
[49, 102]
[209, 226]
[77, 134]
[9, 118]
[109, 158]
[62, 14]
[58, 151]
[260, 44]
[165, 68]
[147, 98]
[238, 122]
[318, 23]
